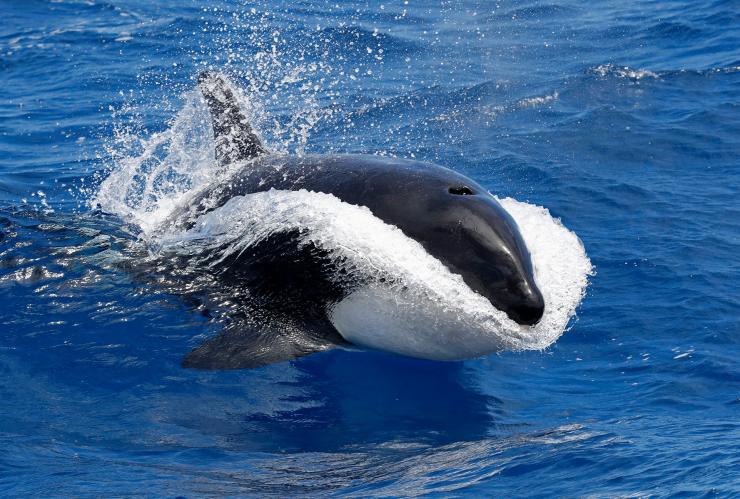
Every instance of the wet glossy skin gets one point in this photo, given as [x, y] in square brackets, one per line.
[456, 220]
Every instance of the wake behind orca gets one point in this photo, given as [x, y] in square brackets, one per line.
[284, 230]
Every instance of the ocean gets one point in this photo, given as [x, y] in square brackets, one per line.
[621, 120]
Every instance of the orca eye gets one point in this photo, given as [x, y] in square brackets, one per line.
[461, 190]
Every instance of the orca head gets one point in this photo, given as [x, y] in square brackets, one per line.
[491, 255]
[462, 225]
[478, 239]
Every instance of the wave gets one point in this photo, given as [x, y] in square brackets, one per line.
[626, 72]
[533, 12]
[622, 72]
[374, 43]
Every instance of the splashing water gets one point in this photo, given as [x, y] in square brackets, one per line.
[409, 301]
[151, 176]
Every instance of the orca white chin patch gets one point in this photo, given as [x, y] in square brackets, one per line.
[408, 302]
[377, 318]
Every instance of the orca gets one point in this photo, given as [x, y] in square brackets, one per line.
[292, 288]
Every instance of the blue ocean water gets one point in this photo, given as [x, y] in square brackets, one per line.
[622, 118]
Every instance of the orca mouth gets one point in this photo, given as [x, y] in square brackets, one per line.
[525, 306]
[518, 296]
[527, 313]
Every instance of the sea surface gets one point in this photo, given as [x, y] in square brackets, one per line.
[621, 118]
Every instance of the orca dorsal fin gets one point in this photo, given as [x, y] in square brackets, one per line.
[235, 139]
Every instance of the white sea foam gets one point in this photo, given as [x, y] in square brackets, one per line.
[539, 100]
[409, 302]
[150, 177]
[623, 72]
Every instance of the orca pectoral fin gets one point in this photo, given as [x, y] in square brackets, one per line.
[283, 289]
[243, 346]
[235, 139]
